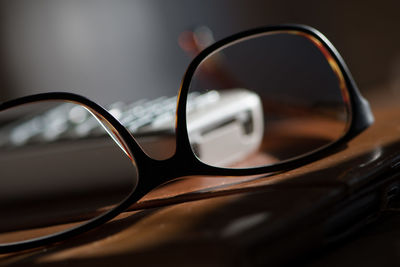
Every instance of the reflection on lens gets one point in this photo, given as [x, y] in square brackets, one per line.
[50, 180]
[280, 97]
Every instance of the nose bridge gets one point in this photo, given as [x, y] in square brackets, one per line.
[153, 173]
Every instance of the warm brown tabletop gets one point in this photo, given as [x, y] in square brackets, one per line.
[209, 221]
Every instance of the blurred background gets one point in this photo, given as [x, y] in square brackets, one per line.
[128, 50]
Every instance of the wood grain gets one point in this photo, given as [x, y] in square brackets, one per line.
[229, 221]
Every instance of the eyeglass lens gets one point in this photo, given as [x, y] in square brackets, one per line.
[282, 96]
[60, 184]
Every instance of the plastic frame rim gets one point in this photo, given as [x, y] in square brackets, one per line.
[360, 112]
[184, 162]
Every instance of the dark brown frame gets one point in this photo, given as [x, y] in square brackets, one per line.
[153, 173]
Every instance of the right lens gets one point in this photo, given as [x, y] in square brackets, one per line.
[268, 98]
[51, 180]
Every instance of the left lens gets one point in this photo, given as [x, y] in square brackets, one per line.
[268, 98]
[52, 181]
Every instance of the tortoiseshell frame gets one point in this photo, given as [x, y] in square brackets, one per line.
[153, 173]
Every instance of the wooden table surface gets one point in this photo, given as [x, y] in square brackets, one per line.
[209, 221]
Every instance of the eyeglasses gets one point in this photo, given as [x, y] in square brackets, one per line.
[278, 97]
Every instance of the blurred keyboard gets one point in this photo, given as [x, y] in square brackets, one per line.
[66, 121]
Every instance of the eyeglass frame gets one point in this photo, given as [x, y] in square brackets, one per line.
[184, 162]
